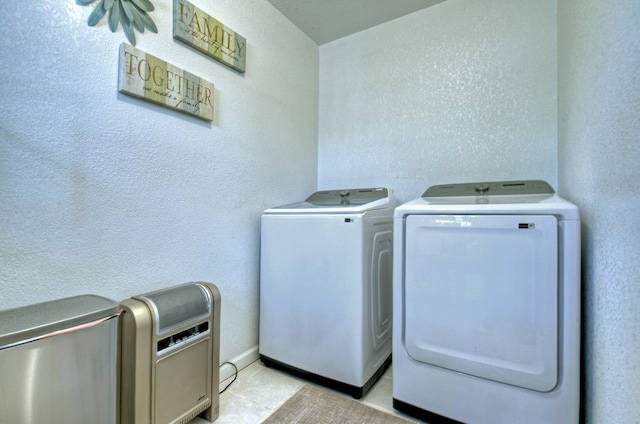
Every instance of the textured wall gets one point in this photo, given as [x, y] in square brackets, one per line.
[460, 91]
[102, 193]
[599, 152]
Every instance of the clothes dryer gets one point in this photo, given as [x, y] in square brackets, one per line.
[325, 287]
[487, 304]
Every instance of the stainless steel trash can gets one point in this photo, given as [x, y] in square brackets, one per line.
[58, 362]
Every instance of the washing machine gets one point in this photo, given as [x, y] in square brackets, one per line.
[325, 287]
[487, 305]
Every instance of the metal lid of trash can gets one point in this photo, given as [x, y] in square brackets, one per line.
[26, 323]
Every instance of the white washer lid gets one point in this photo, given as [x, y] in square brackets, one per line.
[339, 201]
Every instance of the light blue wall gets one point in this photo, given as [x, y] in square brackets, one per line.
[106, 194]
[599, 153]
[460, 91]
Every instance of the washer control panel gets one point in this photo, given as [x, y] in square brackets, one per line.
[497, 188]
[351, 197]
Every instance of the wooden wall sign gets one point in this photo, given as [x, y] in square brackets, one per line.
[147, 77]
[194, 27]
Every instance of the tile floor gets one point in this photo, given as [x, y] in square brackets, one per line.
[259, 390]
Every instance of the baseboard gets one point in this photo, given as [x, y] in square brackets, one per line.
[241, 361]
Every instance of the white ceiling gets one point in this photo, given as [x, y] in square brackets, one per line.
[328, 20]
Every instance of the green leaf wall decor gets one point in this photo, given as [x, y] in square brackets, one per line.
[131, 14]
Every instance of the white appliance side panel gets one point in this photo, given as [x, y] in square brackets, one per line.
[381, 285]
[311, 285]
[377, 293]
[481, 296]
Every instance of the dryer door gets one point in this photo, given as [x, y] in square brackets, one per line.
[481, 296]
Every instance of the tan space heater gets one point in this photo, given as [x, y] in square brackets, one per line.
[169, 355]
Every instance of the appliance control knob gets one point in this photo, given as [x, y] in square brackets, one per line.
[481, 188]
[344, 193]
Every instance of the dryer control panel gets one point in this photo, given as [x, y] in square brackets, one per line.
[498, 188]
